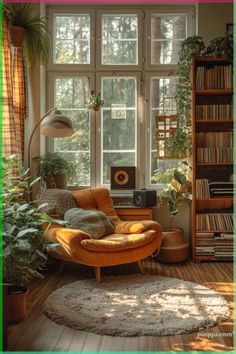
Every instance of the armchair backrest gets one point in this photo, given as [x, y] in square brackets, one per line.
[96, 198]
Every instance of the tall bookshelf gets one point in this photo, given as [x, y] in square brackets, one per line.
[212, 141]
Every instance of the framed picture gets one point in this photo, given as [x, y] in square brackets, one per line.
[229, 27]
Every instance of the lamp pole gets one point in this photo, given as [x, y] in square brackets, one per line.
[32, 134]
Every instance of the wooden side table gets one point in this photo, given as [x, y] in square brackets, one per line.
[132, 213]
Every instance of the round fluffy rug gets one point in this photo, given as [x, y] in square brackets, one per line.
[136, 305]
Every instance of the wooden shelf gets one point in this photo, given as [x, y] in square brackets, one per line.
[214, 92]
[210, 171]
[213, 231]
[214, 203]
[212, 164]
[215, 121]
[209, 59]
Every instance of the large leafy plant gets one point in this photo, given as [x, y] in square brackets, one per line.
[23, 244]
[178, 190]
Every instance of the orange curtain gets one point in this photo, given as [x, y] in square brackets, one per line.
[20, 95]
[14, 97]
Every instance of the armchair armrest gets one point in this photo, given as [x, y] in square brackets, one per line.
[69, 239]
[136, 227]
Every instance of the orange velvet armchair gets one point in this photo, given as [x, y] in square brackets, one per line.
[131, 241]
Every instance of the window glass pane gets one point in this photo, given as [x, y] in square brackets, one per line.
[119, 39]
[70, 97]
[118, 135]
[116, 159]
[161, 103]
[167, 34]
[72, 39]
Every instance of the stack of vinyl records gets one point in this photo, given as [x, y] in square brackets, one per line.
[224, 246]
[221, 189]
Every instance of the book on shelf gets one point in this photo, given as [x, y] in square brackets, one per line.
[215, 139]
[214, 147]
[214, 221]
[214, 246]
[202, 188]
[214, 78]
[214, 111]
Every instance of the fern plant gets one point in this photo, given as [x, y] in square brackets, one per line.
[36, 39]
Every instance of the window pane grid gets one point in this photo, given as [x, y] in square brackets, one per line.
[71, 93]
[72, 39]
[119, 40]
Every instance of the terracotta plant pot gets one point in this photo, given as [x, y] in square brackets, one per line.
[57, 181]
[17, 35]
[96, 108]
[174, 249]
[16, 303]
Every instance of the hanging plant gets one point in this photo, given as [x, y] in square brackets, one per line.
[94, 102]
[179, 144]
[221, 46]
[29, 31]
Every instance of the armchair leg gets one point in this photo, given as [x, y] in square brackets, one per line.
[61, 267]
[140, 267]
[98, 274]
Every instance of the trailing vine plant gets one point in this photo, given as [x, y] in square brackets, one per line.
[179, 145]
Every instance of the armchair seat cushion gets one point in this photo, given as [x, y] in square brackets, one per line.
[118, 242]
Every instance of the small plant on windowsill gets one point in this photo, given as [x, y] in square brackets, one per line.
[94, 101]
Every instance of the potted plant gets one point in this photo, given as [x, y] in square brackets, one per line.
[94, 101]
[24, 247]
[55, 169]
[174, 249]
[29, 31]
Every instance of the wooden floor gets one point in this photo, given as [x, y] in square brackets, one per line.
[38, 333]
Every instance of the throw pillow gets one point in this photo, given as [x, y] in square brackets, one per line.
[58, 200]
[95, 223]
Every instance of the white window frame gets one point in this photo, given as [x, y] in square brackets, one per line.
[51, 103]
[189, 11]
[144, 70]
[73, 11]
[99, 125]
[99, 64]
[148, 128]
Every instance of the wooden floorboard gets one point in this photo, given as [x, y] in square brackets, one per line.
[38, 333]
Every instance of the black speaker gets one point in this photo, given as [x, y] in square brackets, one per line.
[145, 198]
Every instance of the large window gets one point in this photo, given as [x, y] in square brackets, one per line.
[131, 56]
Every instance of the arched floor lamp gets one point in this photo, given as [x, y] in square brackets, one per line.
[53, 124]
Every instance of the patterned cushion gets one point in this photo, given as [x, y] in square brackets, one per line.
[94, 222]
[59, 200]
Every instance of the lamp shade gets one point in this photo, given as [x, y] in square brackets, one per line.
[56, 125]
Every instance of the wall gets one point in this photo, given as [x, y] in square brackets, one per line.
[212, 19]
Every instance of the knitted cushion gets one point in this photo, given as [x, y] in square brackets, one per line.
[59, 200]
[94, 222]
